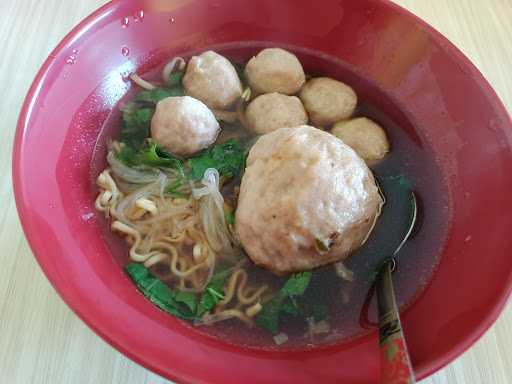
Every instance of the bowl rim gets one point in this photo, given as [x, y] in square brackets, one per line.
[427, 369]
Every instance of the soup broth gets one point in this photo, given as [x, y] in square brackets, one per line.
[349, 311]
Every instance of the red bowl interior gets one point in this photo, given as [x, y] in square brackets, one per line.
[405, 64]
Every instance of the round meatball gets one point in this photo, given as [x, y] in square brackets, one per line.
[183, 125]
[275, 70]
[364, 136]
[306, 200]
[212, 79]
[328, 101]
[271, 111]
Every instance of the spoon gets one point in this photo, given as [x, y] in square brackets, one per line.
[395, 362]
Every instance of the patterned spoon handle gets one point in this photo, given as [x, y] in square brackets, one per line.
[394, 359]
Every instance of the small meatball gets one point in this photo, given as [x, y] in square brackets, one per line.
[271, 111]
[212, 79]
[364, 136]
[275, 70]
[306, 200]
[183, 125]
[328, 101]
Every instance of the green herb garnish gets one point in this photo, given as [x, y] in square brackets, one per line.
[138, 113]
[151, 155]
[228, 158]
[187, 298]
[185, 305]
[268, 318]
[230, 218]
[155, 156]
[213, 293]
[177, 303]
[155, 95]
[136, 123]
[175, 78]
[284, 302]
[173, 189]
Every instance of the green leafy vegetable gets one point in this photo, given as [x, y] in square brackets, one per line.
[187, 298]
[175, 78]
[184, 305]
[136, 123]
[138, 113]
[268, 318]
[284, 302]
[173, 189]
[228, 158]
[150, 155]
[229, 217]
[179, 304]
[297, 284]
[128, 155]
[138, 273]
[154, 156]
[291, 307]
[157, 157]
[155, 95]
[213, 293]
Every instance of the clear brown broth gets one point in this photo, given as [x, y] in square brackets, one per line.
[410, 156]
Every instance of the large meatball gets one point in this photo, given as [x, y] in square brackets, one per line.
[306, 200]
[212, 79]
[275, 70]
[364, 136]
[271, 111]
[183, 125]
[328, 101]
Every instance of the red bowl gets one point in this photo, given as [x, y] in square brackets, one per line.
[405, 64]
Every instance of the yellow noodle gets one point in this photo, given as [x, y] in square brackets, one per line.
[252, 299]
[134, 255]
[196, 280]
[235, 313]
[155, 259]
[136, 213]
[254, 309]
[99, 202]
[183, 265]
[109, 195]
[174, 259]
[229, 290]
[164, 230]
[241, 275]
[175, 239]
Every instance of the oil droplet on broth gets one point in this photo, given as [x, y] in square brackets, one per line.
[125, 22]
[125, 51]
[139, 16]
